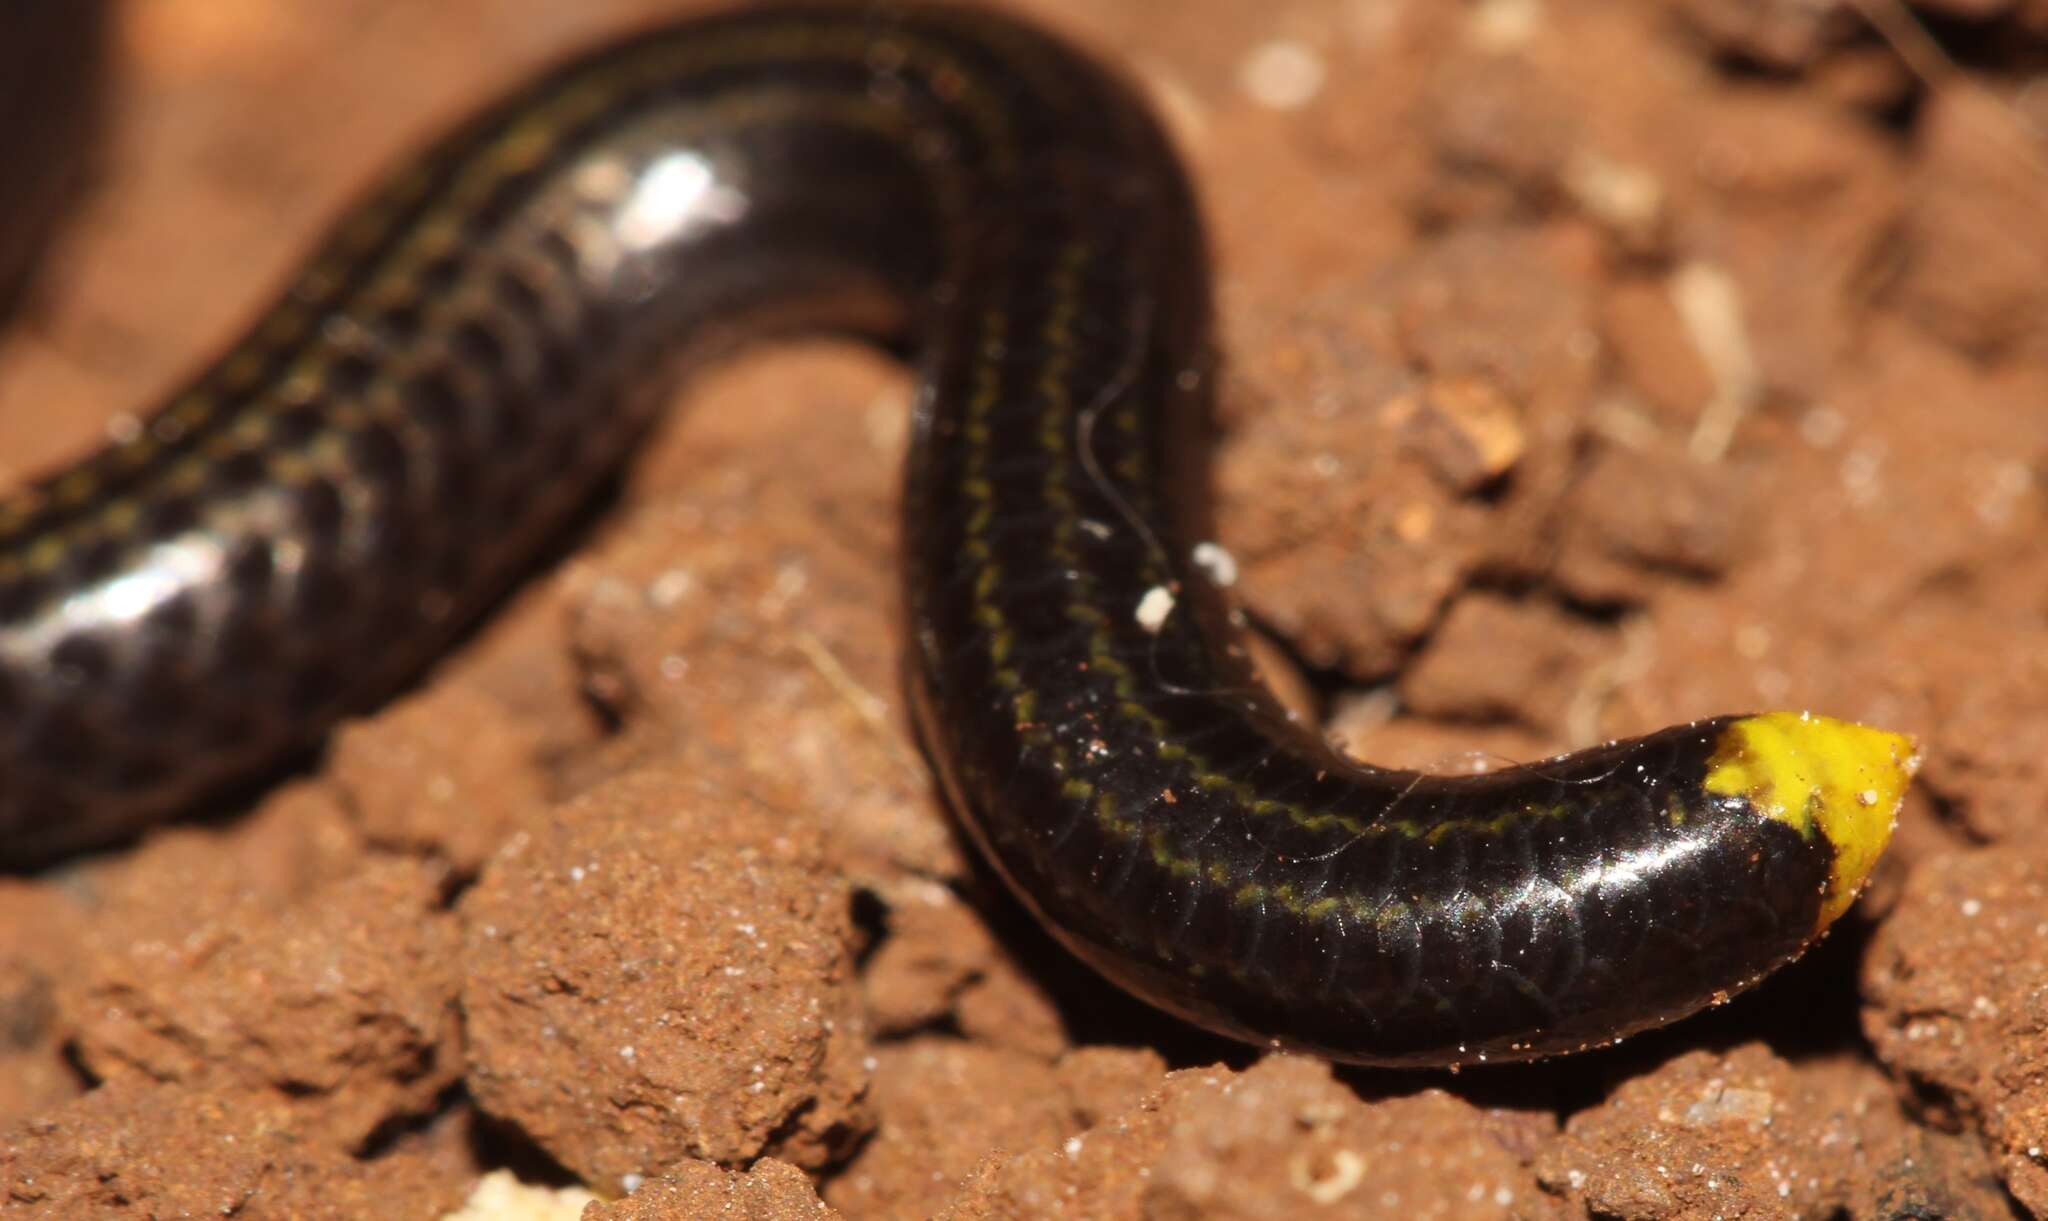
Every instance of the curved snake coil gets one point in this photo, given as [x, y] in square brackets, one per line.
[308, 521]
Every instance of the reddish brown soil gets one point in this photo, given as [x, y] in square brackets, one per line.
[1593, 366]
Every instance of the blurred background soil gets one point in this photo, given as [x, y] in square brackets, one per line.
[1592, 365]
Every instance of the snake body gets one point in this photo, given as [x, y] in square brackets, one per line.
[310, 519]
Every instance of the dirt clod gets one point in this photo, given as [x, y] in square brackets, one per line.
[1281, 1140]
[770, 1190]
[663, 971]
[942, 1105]
[1741, 1134]
[1954, 989]
[133, 1149]
[447, 773]
[340, 1006]
[1977, 262]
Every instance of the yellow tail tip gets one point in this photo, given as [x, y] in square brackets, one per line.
[1816, 774]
